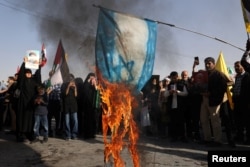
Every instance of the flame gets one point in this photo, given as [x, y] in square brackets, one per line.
[117, 102]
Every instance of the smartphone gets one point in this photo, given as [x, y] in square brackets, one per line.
[196, 60]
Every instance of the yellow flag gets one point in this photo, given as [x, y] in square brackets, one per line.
[222, 67]
[245, 4]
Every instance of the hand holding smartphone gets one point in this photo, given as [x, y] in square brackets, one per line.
[196, 60]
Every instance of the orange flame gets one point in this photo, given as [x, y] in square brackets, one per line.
[117, 116]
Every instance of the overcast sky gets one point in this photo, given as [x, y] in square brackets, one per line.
[26, 24]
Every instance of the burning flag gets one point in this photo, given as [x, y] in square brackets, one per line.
[246, 13]
[117, 103]
[60, 67]
[125, 48]
[125, 53]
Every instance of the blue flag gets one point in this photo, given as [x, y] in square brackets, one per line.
[125, 48]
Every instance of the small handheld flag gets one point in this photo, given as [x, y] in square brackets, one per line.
[43, 56]
[60, 67]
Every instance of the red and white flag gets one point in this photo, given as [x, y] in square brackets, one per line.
[60, 67]
[43, 56]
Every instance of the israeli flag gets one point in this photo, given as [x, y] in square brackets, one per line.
[125, 48]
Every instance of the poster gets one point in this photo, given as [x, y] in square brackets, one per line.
[33, 57]
[200, 77]
[200, 81]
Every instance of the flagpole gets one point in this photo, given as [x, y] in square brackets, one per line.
[172, 25]
[195, 32]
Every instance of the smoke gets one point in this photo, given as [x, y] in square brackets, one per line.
[75, 23]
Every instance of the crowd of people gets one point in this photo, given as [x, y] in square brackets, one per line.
[197, 107]
[33, 110]
[180, 107]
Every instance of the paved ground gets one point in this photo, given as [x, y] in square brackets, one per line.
[89, 153]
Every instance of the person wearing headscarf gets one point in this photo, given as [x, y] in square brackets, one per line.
[89, 106]
[79, 85]
[27, 85]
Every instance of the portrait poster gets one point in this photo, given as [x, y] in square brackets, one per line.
[33, 57]
[200, 81]
[200, 77]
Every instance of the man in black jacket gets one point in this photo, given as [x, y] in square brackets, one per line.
[212, 99]
[241, 96]
[244, 96]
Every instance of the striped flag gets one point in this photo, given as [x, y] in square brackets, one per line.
[125, 48]
[245, 4]
[222, 67]
[43, 56]
[60, 67]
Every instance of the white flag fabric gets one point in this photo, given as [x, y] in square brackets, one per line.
[57, 77]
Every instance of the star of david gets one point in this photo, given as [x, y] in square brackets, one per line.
[127, 65]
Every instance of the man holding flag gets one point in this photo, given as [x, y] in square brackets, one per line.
[244, 93]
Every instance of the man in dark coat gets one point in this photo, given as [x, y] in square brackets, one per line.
[244, 96]
[212, 99]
